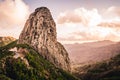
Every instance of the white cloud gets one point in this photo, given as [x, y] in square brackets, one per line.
[88, 25]
[13, 13]
[113, 11]
[111, 17]
[112, 24]
[14, 32]
[80, 15]
[79, 33]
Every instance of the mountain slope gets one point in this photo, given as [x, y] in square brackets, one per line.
[105, 70]
[29, 66]
[6, 40]
[92, 52]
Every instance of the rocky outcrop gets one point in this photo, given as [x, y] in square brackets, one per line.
[40, 33]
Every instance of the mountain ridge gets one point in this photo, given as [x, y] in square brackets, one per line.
[104, 70]
[92, 52]
[6, 40]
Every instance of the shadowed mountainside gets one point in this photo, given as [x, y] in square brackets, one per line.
[104, 70]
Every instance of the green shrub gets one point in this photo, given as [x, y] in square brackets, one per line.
[3, 77]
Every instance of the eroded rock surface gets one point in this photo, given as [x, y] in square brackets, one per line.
[40, 33]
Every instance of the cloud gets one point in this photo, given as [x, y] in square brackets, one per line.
[111, 18]
[98, 33]
[81, 25]
[91, 34]
[14, 32]
[115, 10]
[13, 13]
[80, 15]
[112, 12]
[113, 24]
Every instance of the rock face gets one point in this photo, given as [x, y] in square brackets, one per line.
[40, 33]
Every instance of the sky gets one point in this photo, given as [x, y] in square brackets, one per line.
[77, 21]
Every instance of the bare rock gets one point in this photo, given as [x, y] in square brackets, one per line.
[40, 33]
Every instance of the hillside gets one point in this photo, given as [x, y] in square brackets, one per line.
[6, 40]
[105, 70]
[27, 66]
[92, 52]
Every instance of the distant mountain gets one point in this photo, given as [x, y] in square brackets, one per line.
[92, 52]
[104, 70]
[6, 40]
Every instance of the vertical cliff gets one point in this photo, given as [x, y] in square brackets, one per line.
[40, 33]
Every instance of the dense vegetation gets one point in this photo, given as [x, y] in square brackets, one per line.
[106, 70]
[38, 69]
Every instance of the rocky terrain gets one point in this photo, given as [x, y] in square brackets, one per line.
[40, 33]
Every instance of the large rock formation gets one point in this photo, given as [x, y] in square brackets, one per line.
[40, 33]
